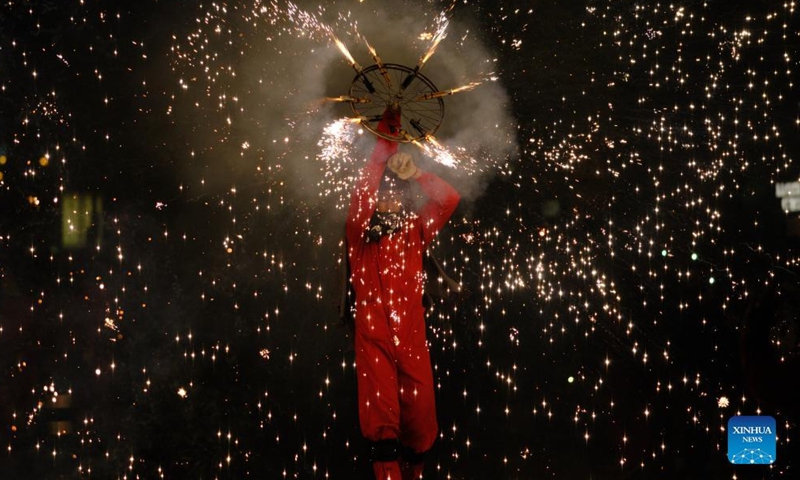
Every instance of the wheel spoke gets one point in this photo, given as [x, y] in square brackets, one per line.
[419, 117]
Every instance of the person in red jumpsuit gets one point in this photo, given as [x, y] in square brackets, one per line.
[386, 243]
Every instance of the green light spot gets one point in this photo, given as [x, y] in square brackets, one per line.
[694, 256]
[664, 252]
[711, 280]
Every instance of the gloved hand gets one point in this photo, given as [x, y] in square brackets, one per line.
[402, 165]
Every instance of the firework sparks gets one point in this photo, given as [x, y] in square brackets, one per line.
[441, 32]
[618, 244]
[444, 93]
[359, 71]
[343, 48]
[302, 21]
[337, 157]
[378, 62]
[445, 156]
[347, 99]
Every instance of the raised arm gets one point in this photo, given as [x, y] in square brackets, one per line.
[442, 202]
[363, 197]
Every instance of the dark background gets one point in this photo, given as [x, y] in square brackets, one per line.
[589, 341]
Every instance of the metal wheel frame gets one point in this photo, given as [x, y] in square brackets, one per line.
[374, 88]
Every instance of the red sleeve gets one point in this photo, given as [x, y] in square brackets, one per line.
[442, 202]
[363, 198]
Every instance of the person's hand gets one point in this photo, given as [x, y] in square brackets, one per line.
[403, 166]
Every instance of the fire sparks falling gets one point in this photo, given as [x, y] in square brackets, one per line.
[303, 22]
[337, 156]
[597, 251]
[440, 33]
[601, 249]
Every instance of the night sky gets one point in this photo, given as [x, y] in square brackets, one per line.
[173, 179]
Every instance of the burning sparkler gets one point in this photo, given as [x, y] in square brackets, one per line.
[346, 52]
[353, 63]
[348, 99]
[444, 93]
[435, 150]
[441, 33]
[379, 63]
[440, 153]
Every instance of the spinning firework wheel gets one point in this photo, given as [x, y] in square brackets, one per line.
[377, 86]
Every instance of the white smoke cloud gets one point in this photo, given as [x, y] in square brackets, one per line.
[283, 74]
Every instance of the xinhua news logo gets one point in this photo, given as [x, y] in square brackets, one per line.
[751, 440]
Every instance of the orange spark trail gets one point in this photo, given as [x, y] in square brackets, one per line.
[378, 61]
[445, 93]
[346, 52]
[348, 98]
[441, 33]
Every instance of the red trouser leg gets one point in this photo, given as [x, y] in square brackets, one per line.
[387, 471]
[395, 389]
[411, 471]
[378, 398]
[418, 427]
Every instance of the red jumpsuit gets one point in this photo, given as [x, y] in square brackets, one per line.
[395, 381]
